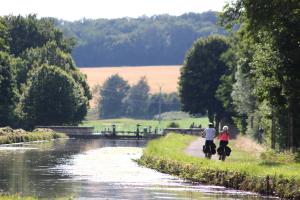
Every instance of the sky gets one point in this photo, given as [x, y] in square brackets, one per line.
[92, 9]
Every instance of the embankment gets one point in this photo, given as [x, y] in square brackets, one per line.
[241, 171]
[9, 135]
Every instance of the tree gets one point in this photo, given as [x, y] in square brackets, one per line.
[4, 46]
[274, 26]
[112, 93]
[156, 40]
[8, 89]
[136, 101]
[200, 77]
[53, 98]
[168, 102]
[50, 53]
[30, 32]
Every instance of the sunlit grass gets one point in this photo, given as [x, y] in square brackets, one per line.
[126, 124]
[242, 170]
[15, 197]
[173, 145]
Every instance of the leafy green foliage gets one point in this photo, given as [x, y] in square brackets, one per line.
[30, 32]
[155, 40]
[136, 101]
[168, 102]
[173, 125]
[267, 67]
[200, 77]
[53, 98]
[3, 36]
[8, 89]
[118, 99]
[31, 45]
[112, 93]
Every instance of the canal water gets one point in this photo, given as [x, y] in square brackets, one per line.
[95, 169]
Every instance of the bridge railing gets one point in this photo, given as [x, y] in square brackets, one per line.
[187, 131]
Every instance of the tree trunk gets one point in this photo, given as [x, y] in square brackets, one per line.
[291, 124]
[273, 133]
[217, 120]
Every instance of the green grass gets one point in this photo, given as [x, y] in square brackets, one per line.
[29, 137]
[125, 124]
[9, 197]
[242, 170]
[17, 197]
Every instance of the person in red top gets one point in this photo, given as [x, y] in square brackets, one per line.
[224, 136]
[224, 139]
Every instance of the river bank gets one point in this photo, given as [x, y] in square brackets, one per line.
[9, 135]
[242, 170]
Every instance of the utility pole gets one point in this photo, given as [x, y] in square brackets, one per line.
[159, 107]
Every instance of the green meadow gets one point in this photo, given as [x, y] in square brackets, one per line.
[126, 124]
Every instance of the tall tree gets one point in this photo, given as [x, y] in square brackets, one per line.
[112, 93]
[8, 89]
[53, 98]
[136, 100]
[30, 32]
[274, 26]
[200, 77]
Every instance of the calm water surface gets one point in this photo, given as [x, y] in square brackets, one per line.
[95, 169]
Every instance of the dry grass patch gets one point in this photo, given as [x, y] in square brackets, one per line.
[247, 144]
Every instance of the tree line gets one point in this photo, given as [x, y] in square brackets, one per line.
[250, 78]
[119, 99]
[156, 40]
[39, 81]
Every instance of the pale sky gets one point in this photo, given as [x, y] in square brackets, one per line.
[77, 9]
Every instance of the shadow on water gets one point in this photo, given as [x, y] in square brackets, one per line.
[95, 169]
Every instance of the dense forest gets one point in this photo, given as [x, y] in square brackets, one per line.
[156, 40]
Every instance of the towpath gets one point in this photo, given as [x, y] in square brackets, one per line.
[195, 149]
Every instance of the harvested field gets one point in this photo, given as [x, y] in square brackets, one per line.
[165, 76]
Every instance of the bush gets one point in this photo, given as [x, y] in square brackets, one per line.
[173, 125]
[273, 157]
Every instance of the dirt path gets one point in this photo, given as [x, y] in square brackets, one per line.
[195, 149]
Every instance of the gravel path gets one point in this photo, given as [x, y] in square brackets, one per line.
[195, 149]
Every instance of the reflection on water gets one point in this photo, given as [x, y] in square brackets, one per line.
[94, 169]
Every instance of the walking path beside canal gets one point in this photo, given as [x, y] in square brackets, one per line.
[195, 149]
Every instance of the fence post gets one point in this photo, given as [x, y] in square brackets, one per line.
[138, 130]
[114, 130]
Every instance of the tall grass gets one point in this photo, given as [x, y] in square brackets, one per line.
[242, 170]
[29, 136]
[15, 197]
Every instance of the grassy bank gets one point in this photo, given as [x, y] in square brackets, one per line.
[243, 170]
[15, 197]
[125, 124]
[8, 135]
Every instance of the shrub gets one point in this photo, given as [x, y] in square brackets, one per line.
[173, 125]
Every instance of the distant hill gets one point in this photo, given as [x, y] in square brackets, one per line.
[156, 40]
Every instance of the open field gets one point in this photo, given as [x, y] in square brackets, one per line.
[165, 76]
[125, 124]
